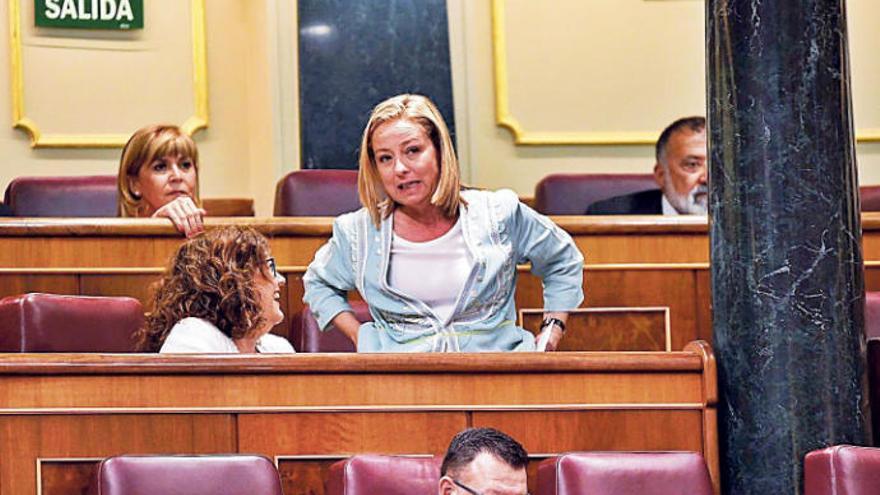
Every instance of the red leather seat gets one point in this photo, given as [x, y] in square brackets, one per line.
[325, 193]
[306, 336]
[842, 470]
[92, 196]
[51, 323]
[624, 473]
[190, 475]
[872, 333]
[386, 475]
[872, 314]
[873, 365]
[870, 196]
[570, 194]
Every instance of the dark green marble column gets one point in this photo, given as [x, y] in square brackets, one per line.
[787, 282]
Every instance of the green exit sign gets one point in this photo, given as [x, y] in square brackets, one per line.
[89, 14]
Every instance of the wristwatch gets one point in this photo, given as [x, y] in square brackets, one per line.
[553, 321]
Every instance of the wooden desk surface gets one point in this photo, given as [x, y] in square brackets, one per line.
[60, 413]
[122, 242]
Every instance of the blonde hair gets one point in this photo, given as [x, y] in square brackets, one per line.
[419, 110]
[144, 146]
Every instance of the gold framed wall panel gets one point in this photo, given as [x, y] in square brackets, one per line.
[529, 137]
[198, 120]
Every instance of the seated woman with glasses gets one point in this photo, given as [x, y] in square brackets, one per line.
[220, 294]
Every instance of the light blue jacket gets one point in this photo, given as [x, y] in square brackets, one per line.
[499, 233]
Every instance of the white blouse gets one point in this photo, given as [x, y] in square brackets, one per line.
[195, 335]
[434, 271]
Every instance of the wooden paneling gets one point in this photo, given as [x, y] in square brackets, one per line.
[148, 242]
[638, 287]
[609, 329]
[599, 430]
[25, 439]
[136, 285]
[87, 393]
[703, 301]
[19, 283]
[65, 477]
[87, 252]
[228, 207]
[603, 249]
[304, 476]
[306, 411]
[872, 276]
[346, 433]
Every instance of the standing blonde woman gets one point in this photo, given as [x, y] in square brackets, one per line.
[436, 262]
[159, 177]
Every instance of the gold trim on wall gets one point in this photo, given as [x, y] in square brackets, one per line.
[867, 135]
[521, 136]
[194, 123]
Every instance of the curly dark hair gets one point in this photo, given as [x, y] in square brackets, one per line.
[211, 276]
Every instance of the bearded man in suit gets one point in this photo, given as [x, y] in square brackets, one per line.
[680, 172]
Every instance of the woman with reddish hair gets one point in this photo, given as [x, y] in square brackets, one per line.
[220, 294]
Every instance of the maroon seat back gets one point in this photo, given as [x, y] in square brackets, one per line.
[91, 196]
[190, 475]
[872, 333]
[842, 470]
[872, 314]
[306, 336]
[624, 473]
[571, 194]
[51, 323]
[388, 475]
[870, 196]
[874, 385]
[324, 193]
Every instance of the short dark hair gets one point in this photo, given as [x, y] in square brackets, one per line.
[693, 124]
[468, 444]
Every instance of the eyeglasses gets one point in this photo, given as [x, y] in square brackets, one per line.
[273, 268]
[467, 488]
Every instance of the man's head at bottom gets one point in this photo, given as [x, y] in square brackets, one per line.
[484, 461]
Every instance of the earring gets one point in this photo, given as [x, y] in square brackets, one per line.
[136, 194]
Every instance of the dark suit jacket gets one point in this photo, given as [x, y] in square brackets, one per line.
[648, 202]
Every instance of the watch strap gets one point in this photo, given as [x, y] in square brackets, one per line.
[553, 321]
